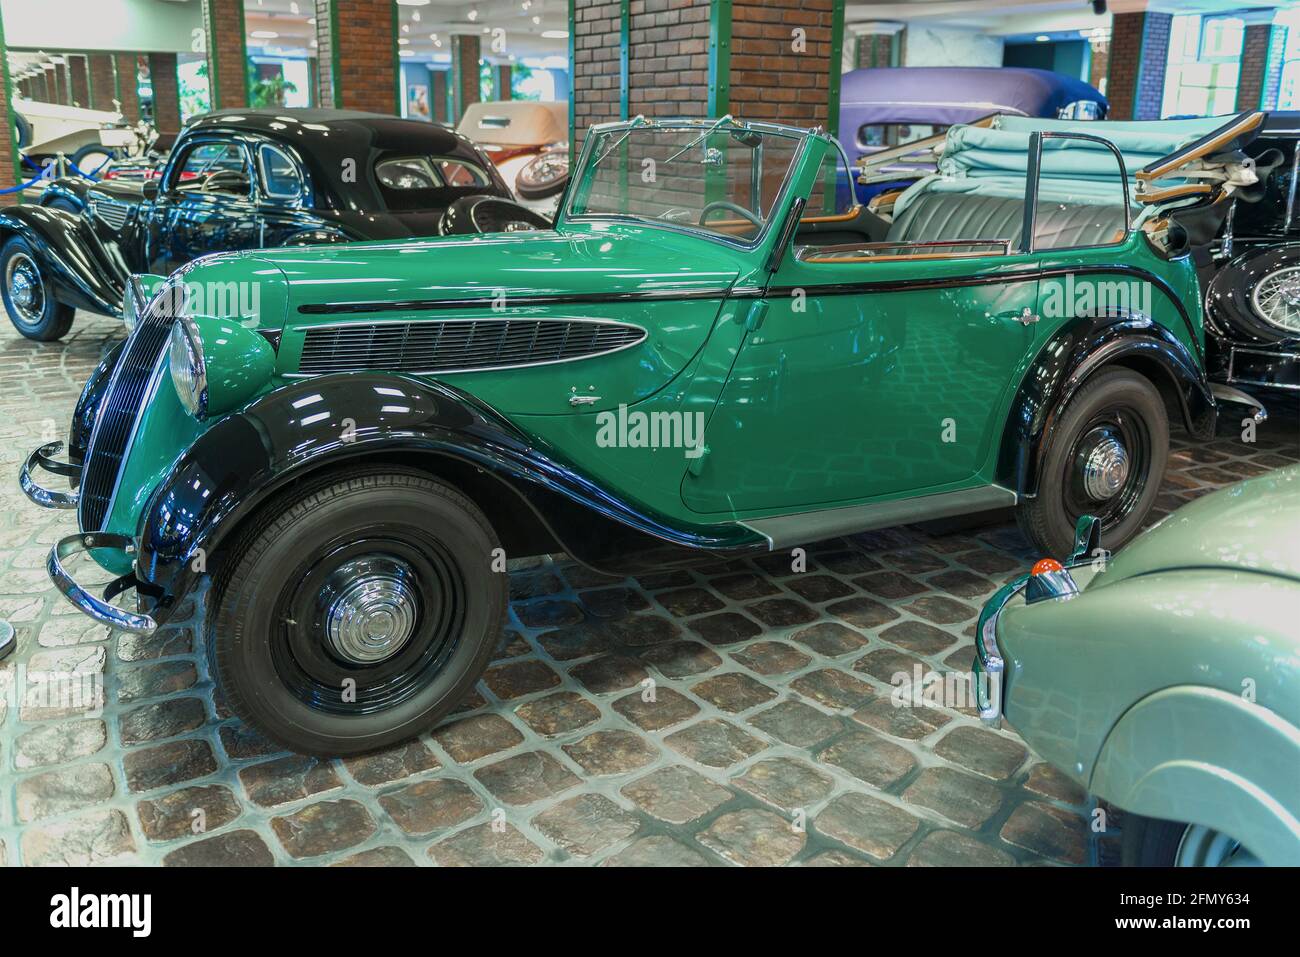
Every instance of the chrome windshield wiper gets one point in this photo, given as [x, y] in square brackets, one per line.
[701, 138]
[638, 120]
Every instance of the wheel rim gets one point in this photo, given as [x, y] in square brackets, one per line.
[1106, 470]
[25, 288]
[367, 623]
[1202, 846]
[1276, 299]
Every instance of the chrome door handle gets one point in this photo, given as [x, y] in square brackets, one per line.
[583, 399]
[1026, 316]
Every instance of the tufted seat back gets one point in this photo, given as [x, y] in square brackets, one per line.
[943, 216]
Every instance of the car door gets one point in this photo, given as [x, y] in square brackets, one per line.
[205, 204]
[867, 374]
[283, 194]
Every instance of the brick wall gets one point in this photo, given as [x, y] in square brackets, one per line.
[224, 22]
[54, 84]
[1254, 66]
[595, 67]
[1099, 65]
[1273, 70]
[438, 95]
[128, 84]
[8, 174]
[367, 64]
[770, 79]
[166, 93]
[1139, 55]
[874, 49]
[465, 54]
[103, 88]
[504, 80]
[77, 70]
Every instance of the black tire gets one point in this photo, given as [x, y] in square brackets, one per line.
[1151, 842]
[1115, 404]
[23, 130]
[91, 158]
[280, 666]
[28, 297]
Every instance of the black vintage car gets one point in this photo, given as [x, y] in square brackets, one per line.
[1251, 272]
[244, 179]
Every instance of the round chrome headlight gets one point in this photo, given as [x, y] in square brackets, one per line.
[189, 373]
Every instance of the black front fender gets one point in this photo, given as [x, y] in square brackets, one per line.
[83, 271]
[1073, 354]
[249, 456]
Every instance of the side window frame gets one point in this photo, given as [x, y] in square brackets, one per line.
[172, 183]
[263, 180]
[1033, 174]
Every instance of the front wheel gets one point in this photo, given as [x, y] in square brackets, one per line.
[357, 614]
[1149, 842]
[28, 298]
[1105, 458]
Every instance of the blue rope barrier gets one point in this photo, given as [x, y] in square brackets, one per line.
[93, 177]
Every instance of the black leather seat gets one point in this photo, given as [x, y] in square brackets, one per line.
[938, 217]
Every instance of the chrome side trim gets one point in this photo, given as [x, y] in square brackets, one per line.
[44, 497]
[88, 604]
[783, 531]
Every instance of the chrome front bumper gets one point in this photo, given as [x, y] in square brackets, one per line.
[989, 667]
[99, 609]
[43, 457]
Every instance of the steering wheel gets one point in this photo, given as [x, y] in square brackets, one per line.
[488, 214]
[225, 181]
[731, 208]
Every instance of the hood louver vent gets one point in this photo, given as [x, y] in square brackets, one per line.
[111, 212]
[458, 345]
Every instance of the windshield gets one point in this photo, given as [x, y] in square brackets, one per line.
[719, 177]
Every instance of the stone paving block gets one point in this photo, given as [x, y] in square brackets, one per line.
[753, 838]
[377, 857]
[526, 778]
[685, 602]
[818, 588]
[780, 613]
[866, 824]
[869, 758]
[834, 688]
[166, 719]
[1051, 783]
[189, 811]
[519, 678]
[608, 674]
[724, 628]
[836, 859]
[984, 752]
[743, 586]
[611, 752]
[771, 657]
[548, 613]
[960, 797]
[154, 680]
[830, 638]
[63, 789]
[890, 585]
[796, 724]
[887, 664]
[428, 806]
[676, 794]
[714, 743]
[613, 602]
[907, 722]
[171, 763]
[484, 846]
[243, 848]
[785, 783]
[59, 743]
[1049, 831]
[92, 838]
[284, 780]
[163, 643]
[862, 612]
[733, 692]
[391, 764]
[323, 828]
[558, 713]
[941, 610]
[681, 659]
[953, 849]
[241, 742]
[586, 824]
[580, 641]
[918, 637]
[657, 850]
[470, 739]
[667, 709]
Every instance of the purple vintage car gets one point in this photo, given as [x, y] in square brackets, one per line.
[883, 107]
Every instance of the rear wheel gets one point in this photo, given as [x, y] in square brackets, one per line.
[1150, 842]
[28, 298]
[1106, 458]
[359, 613]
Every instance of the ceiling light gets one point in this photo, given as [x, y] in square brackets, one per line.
[412, 3]
[406, 53]
[556, 34]
[1042, 38]
[473, 15]
[537, 19]
[403, 41]
[415, 16]
[264, 34]
[293, 7]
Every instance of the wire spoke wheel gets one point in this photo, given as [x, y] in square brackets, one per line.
[1276, 299]
[26, 289]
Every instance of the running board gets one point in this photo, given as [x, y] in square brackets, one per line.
[783, 531]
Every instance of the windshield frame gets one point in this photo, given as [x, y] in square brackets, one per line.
[704, 125]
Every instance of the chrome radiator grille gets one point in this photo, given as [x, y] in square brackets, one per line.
[455, 345]
[118, 410]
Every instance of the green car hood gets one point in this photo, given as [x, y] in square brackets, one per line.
[1251, 526]
[608, 261]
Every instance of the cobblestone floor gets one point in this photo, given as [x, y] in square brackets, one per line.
[772, 739]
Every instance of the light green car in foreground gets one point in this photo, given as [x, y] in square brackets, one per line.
[1166, 680]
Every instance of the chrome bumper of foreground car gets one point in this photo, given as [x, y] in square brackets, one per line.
[99, 609]
[43, 457]
[989, 667]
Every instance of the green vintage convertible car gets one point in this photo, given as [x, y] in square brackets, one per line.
[712, 353]
[1167, 680]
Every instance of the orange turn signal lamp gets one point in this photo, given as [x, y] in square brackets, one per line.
[1049, 579]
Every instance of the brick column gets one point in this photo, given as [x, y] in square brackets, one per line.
[1099, 65]
[9, 162]
[166, 91]
[465, 53]
[504, 79]
[1254, 66]
[874, 49]
[53, 84]
[127, 72]
[103, 81]
[223, 25]
[356, 48]
[79, 72]
[1139, 55]
[438, 95]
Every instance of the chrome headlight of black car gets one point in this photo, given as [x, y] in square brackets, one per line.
[189, 371]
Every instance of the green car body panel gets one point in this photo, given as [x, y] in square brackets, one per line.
[1170, 685]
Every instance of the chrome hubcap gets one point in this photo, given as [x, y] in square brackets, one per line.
[26, 292]
[371, 609]
[1204, 847]
[1105, 467]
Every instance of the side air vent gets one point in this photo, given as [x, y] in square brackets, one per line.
[456, 345]
[112, 213]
